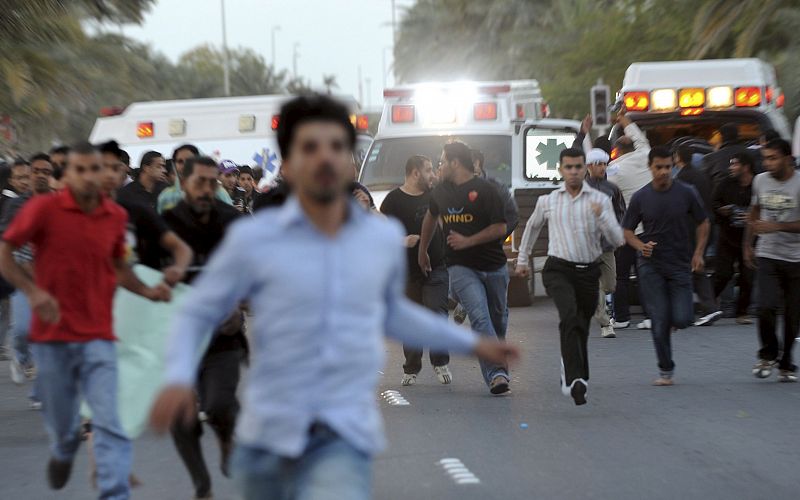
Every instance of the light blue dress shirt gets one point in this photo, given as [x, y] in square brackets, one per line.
[322, 306]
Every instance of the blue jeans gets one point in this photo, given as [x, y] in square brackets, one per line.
[20, 327]
[484, 296]
[328, 469]
[69, 372]
[669, 304]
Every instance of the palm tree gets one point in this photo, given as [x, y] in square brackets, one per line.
[744, 20]
[329, 81]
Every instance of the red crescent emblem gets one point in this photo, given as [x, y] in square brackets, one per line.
[473, 195]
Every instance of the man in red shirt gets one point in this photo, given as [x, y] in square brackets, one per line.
[79, 237]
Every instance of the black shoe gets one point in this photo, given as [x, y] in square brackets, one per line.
[499, 385]
[58, 473]
[578, 393]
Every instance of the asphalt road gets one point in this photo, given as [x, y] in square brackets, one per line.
[718, 433]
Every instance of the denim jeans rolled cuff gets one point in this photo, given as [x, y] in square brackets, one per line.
[328, 469]
[483, 294]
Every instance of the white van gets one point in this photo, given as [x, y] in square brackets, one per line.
[241, 129]
[504, 120]
[670, 100]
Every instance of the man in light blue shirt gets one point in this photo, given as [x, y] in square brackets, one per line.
[331, 288]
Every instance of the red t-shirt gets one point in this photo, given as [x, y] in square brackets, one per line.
[74, 262]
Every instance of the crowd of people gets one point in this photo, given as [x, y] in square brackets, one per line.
[326, 276]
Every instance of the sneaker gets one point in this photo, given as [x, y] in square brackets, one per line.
[58, 473]
[578, 393]
[443, 374]
[408, 379]
[708, 319]
[744, 320]
[663, 382]
[787, 376]
[499, 385]
[607, 332]
[460, 314]
[645, 325]
[17, 371]
[763, 369]
[35, 405]
[620, 325]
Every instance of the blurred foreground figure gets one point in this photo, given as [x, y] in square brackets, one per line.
[79, 236]
[331, 288]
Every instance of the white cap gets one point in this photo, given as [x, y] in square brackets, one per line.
[596, 155]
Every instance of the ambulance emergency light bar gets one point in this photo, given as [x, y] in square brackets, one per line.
[692, 101]
[440, 104]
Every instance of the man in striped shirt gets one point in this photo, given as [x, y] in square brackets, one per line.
[578, 217]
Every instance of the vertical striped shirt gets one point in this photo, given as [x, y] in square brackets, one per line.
[574, 229]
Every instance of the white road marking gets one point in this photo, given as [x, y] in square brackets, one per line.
[394, 398]
[458, 472]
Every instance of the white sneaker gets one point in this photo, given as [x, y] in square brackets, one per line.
[17, 371]
[607, 332]
[620, 324]
[763, 369]
[787, 376]
[35, 405]
[708, 319]
[645, 325]
[443, 374]
[408, 379]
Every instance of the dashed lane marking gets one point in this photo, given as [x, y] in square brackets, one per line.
[458, 472]
[394, 398]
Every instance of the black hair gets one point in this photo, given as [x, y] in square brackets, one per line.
[477, 155]
[205, 161]
[189, 147]
[603, 143]
[258, 174]
[40, 157]
[658, 152]
[457, 150]
[83, 148]
[746, 158]
[245, 169]
[780, 145]
[571, 153]
[124, 157]
[112, 148]
[20, 162]
[684, 154]
[729, 132]
[770, 134]
[314, 107]
[416, 162]
[148, 158]
[59, 150]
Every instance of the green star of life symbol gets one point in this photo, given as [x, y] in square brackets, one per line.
[548, 153]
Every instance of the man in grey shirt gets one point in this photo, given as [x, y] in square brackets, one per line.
[775, 218]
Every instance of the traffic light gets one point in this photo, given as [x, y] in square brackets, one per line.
[599, 102]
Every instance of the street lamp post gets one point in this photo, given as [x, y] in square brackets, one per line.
[274, 30]
[226, 72]
[295, 55]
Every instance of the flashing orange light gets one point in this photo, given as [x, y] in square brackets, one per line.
[520, 111]
[145, 130]
[402, 114]
[111, 110]
[275, 120]
[637, 101]
[691, 111]
[768, 94]
[485, 111]
[692, 98]
[780, 100]
[747, 97]
[362, 122]
[614, 153]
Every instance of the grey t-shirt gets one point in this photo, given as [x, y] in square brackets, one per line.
[779, 202]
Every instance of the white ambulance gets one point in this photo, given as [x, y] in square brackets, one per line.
[506, 121]
[242, 129]
[671, 100]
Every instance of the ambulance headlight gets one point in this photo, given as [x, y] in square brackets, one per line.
[719, 97]
[663, 100]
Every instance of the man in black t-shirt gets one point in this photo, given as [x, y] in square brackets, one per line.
[474, 226]
[201, 220]
[409, 203]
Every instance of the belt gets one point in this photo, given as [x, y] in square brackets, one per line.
[574, 265]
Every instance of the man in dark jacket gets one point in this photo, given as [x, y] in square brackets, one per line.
[688, 174]
[715, 165]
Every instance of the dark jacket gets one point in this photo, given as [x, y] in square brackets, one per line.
[715, 165]
[730, 192]
[617, 202]
[695, 177]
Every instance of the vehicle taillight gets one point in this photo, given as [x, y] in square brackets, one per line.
[545, 110]
[691, 98]
[145, 130]
[691, 111]
[779, 101]
[520, 112]
[275, 120]
[485, 111]
[402, 114]
[111, 110]
[747, 97]
[362, 122]
[637, 101]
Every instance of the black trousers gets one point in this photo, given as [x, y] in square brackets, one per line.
[626, 260]
[431, 292]
[778, 279]
[574, 290]
[729, 255]
[217, 382]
